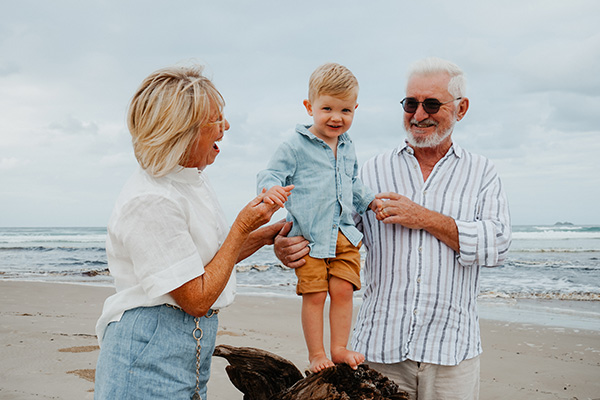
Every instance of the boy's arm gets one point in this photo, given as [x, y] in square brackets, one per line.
[376, 206]
[362, 196]
[277, 195]
[279, 171]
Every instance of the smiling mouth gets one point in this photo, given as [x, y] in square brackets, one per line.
[426, 123]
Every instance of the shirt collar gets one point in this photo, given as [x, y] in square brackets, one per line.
[185, 175]
[303, 130]
[455, 148]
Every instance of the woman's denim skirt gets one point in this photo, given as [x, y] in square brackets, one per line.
[151, 354]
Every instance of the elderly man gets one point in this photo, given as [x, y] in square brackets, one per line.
[444, 216]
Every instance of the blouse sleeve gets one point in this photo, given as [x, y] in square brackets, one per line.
[155, 234]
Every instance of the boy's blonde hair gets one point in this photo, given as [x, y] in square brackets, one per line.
[333, 80]
[166, 113]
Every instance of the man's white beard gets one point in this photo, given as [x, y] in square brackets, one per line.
[429, 141]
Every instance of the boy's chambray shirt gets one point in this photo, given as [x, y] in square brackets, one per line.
[327, 190]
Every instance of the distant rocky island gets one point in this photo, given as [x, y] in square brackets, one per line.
[563, 224]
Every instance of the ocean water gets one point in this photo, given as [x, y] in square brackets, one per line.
[545, 262]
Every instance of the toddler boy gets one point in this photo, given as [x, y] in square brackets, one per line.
[320, 161]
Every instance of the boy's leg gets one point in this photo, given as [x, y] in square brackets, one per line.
[344, 279]
[312, 324]
[312, 285]
[340, 321]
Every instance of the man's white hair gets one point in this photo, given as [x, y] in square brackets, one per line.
[433, 65]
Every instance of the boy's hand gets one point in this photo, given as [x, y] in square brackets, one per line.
[376, 206]
[276, 195]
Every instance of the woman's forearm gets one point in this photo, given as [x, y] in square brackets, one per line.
[259, 238]
[198, 295]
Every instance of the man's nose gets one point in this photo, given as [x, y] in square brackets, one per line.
[420, 114]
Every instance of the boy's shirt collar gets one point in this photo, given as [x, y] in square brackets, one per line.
[303, 130]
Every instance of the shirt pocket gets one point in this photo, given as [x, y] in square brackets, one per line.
[349, 163]
[347, 180]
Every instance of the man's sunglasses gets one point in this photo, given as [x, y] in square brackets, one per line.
[431, 106]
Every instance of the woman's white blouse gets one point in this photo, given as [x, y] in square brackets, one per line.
[161, 234]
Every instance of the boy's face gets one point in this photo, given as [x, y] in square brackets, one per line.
[332, 116]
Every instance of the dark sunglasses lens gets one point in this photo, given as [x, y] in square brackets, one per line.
[410, 105]
[431, 106]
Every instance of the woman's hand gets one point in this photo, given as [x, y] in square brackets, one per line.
[258, 212]
[262, 236]
[197, 295]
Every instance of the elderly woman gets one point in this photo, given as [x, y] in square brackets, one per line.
[169, 248]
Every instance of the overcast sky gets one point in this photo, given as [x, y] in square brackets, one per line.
[69, 68]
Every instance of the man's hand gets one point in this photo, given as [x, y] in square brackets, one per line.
[290, 250]
[398, 209]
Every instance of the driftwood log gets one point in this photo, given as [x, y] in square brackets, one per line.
[261, 375]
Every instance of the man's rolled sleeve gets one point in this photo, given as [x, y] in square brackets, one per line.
[481, 243]
[486, 240]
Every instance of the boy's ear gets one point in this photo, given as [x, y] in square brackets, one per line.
[308, 107]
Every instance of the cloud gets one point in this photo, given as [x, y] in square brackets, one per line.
[69, 69]
[11, 163]
[562, 65]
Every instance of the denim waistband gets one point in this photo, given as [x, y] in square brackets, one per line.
[211, 312]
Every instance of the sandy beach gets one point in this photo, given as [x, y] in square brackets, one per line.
[48, 347]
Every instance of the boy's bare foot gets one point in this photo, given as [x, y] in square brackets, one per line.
[343, 355]
[319, 363]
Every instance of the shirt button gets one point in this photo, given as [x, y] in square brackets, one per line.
[420, 249]
[424, 192]
[415, 311]
[419, 280]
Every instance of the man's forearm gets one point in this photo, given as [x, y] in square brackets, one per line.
[443, 228]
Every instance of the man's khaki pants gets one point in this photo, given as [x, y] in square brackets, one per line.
[425, 381]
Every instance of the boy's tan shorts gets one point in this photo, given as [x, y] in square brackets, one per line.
[314, 275]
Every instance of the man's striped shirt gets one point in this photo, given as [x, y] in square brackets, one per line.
[420, 299]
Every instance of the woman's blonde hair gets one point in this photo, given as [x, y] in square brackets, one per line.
[165, 115]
